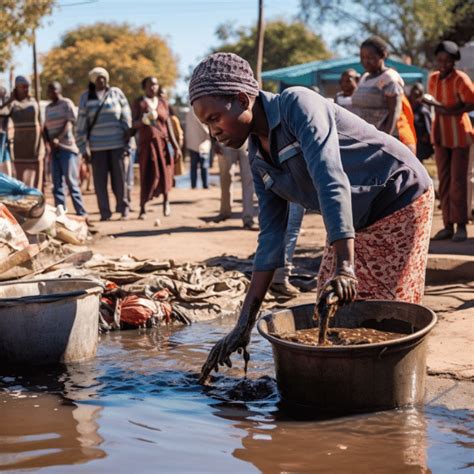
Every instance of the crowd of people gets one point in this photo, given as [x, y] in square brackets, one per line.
[104, 137]
[103, 133]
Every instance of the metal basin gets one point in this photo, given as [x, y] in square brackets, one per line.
[49, 321]
[358, 378]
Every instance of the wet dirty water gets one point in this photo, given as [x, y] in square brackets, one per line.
[138, 408]
[339, 336]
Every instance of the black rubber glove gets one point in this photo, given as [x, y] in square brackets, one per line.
[344, 286]
[237, 340]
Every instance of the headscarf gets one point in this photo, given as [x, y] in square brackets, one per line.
[222, 74]
[96, 72]
[22, 80]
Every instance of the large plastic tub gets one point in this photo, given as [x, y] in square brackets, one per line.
[49, 321]
[358, 378]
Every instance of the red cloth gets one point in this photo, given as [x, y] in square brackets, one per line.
[390, 255]
[154, 158]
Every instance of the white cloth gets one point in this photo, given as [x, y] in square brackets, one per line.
[195, 132]
[100, 94]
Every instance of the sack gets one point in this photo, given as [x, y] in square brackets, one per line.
[179, 167]
[177, 130]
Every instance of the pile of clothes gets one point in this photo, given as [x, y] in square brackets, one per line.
[122, 309]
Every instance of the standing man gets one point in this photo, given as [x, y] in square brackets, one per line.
[228, 158]
[59, 120]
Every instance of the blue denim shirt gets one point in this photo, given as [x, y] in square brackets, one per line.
[328, 160]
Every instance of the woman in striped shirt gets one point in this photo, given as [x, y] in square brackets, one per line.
[452, 135]
[102, 134]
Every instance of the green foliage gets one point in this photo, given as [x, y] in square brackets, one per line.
[128, 53]
[285, 44]
[18, 19]
[412, 28]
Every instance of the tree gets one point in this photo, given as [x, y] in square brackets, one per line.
[18, 20]
[128, 53]
[412, 28]
[285, 44]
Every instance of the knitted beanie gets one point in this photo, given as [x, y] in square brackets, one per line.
[222, 74]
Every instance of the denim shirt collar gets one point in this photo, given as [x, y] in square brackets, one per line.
[271, 106]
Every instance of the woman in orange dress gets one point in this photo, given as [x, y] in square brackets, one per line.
[453, 97]
[157, 146]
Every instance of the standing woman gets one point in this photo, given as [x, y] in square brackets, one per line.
[452, 135]
[379, 98]
[157, 146]
[103, 133]
[374, 195]
[28, 147]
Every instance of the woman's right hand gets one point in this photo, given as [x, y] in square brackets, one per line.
[237, 339]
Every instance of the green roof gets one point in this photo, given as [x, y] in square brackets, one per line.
[330, 70]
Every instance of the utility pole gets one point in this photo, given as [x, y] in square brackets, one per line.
[260, 36]
[36, 84]
[11, 78]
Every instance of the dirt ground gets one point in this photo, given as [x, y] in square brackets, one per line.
[188, 235]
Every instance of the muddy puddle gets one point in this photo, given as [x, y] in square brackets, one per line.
[138, 408]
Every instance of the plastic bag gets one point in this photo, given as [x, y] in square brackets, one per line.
[21, 200]
[13, 187]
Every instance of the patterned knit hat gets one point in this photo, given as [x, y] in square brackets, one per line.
[222, 74]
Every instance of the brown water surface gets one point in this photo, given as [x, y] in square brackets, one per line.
[339, 336]
[138, 408]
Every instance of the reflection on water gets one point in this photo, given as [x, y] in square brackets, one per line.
[138, 408]
[42, 429]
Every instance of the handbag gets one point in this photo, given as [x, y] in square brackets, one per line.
[179, 167]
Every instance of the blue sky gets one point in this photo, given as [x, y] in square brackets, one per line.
[188, 25]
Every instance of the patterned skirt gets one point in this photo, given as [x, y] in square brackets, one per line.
[390, 255]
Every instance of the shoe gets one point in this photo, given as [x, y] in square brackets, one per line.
[221, 218]
[166, 209]
[142, 216]
[285, 288]
[104, 219]
[443, 234]
[124, 217]
[460, 235]
[250, 226]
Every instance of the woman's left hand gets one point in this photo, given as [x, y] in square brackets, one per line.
[344, 285]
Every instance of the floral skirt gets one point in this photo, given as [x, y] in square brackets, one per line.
[390, 255]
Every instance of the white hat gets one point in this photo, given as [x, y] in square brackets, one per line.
[98, 71]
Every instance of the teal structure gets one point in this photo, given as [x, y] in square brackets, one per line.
[325, 74]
